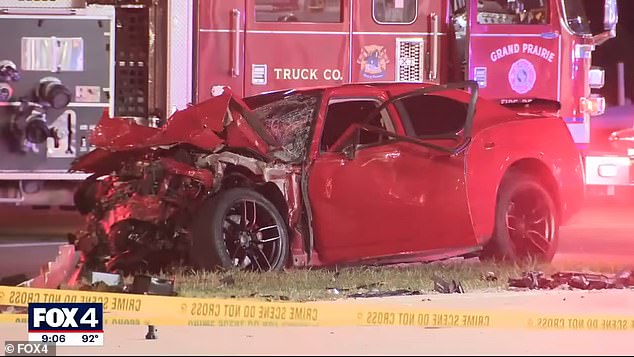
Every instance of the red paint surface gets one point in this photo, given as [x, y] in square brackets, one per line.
[395, 199]
[198, 125]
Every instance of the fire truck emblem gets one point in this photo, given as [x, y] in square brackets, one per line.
[522, 76]
[373, 60]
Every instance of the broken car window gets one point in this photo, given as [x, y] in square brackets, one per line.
[289, 121]
[342, 114]
[432, 115]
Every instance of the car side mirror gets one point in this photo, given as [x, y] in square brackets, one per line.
[350, 151]
[347, 142]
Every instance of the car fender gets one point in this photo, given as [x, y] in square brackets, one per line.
[521, 144]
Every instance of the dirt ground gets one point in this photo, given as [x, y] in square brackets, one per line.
[177, 340]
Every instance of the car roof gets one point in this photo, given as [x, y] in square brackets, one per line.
[380, 85]
[490, 112]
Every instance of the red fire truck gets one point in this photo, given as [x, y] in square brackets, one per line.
[529, 54]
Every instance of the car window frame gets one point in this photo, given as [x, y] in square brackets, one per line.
[385, 115]
[408, 125]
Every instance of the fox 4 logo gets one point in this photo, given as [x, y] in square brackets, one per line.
[65, 317]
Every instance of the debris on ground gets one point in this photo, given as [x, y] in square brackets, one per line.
[268, 297]
[107, 278]
[337, 291]
[371, 290]
[101, 286]
[490, 276]
[142, 284]
[575, 280]
[148, 285]
[398, 292]
[531, 280]
[447, 287]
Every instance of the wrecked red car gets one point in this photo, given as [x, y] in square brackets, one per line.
[351, 174]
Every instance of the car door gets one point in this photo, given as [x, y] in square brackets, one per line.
[392, 197]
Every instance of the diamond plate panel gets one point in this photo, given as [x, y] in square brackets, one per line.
[180, 54]
[131, 62]
[409, 66]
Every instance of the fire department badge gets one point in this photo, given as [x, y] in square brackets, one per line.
[373, 60]
[522, 76]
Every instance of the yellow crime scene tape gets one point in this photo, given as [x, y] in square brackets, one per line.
[128, 309]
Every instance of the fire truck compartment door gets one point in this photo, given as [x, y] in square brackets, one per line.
[399, 41]
[291, 43]
[220, 46]
[514, 53]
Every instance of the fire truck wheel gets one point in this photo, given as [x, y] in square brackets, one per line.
[526, 223]
[239, 228]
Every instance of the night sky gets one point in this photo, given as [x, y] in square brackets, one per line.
[618, 49]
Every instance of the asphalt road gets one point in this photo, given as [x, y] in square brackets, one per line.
[602, 233]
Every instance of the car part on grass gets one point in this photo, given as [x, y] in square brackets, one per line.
[101, 287]
[447, 287]
[388, 293]
[268, 297]
[531, 280]
[576, 280]
[147, 285]
[106, 278]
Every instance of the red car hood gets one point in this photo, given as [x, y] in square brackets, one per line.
[202, 125]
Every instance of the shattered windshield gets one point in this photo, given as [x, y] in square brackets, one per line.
[575, 16]
[289, 121]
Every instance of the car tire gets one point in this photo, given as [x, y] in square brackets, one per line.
[84, 196]
[219, 242]
[526, 223]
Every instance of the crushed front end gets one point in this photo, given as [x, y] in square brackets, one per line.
[136, 217]
[150, 186]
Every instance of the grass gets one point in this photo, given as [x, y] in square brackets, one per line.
[330, 284]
